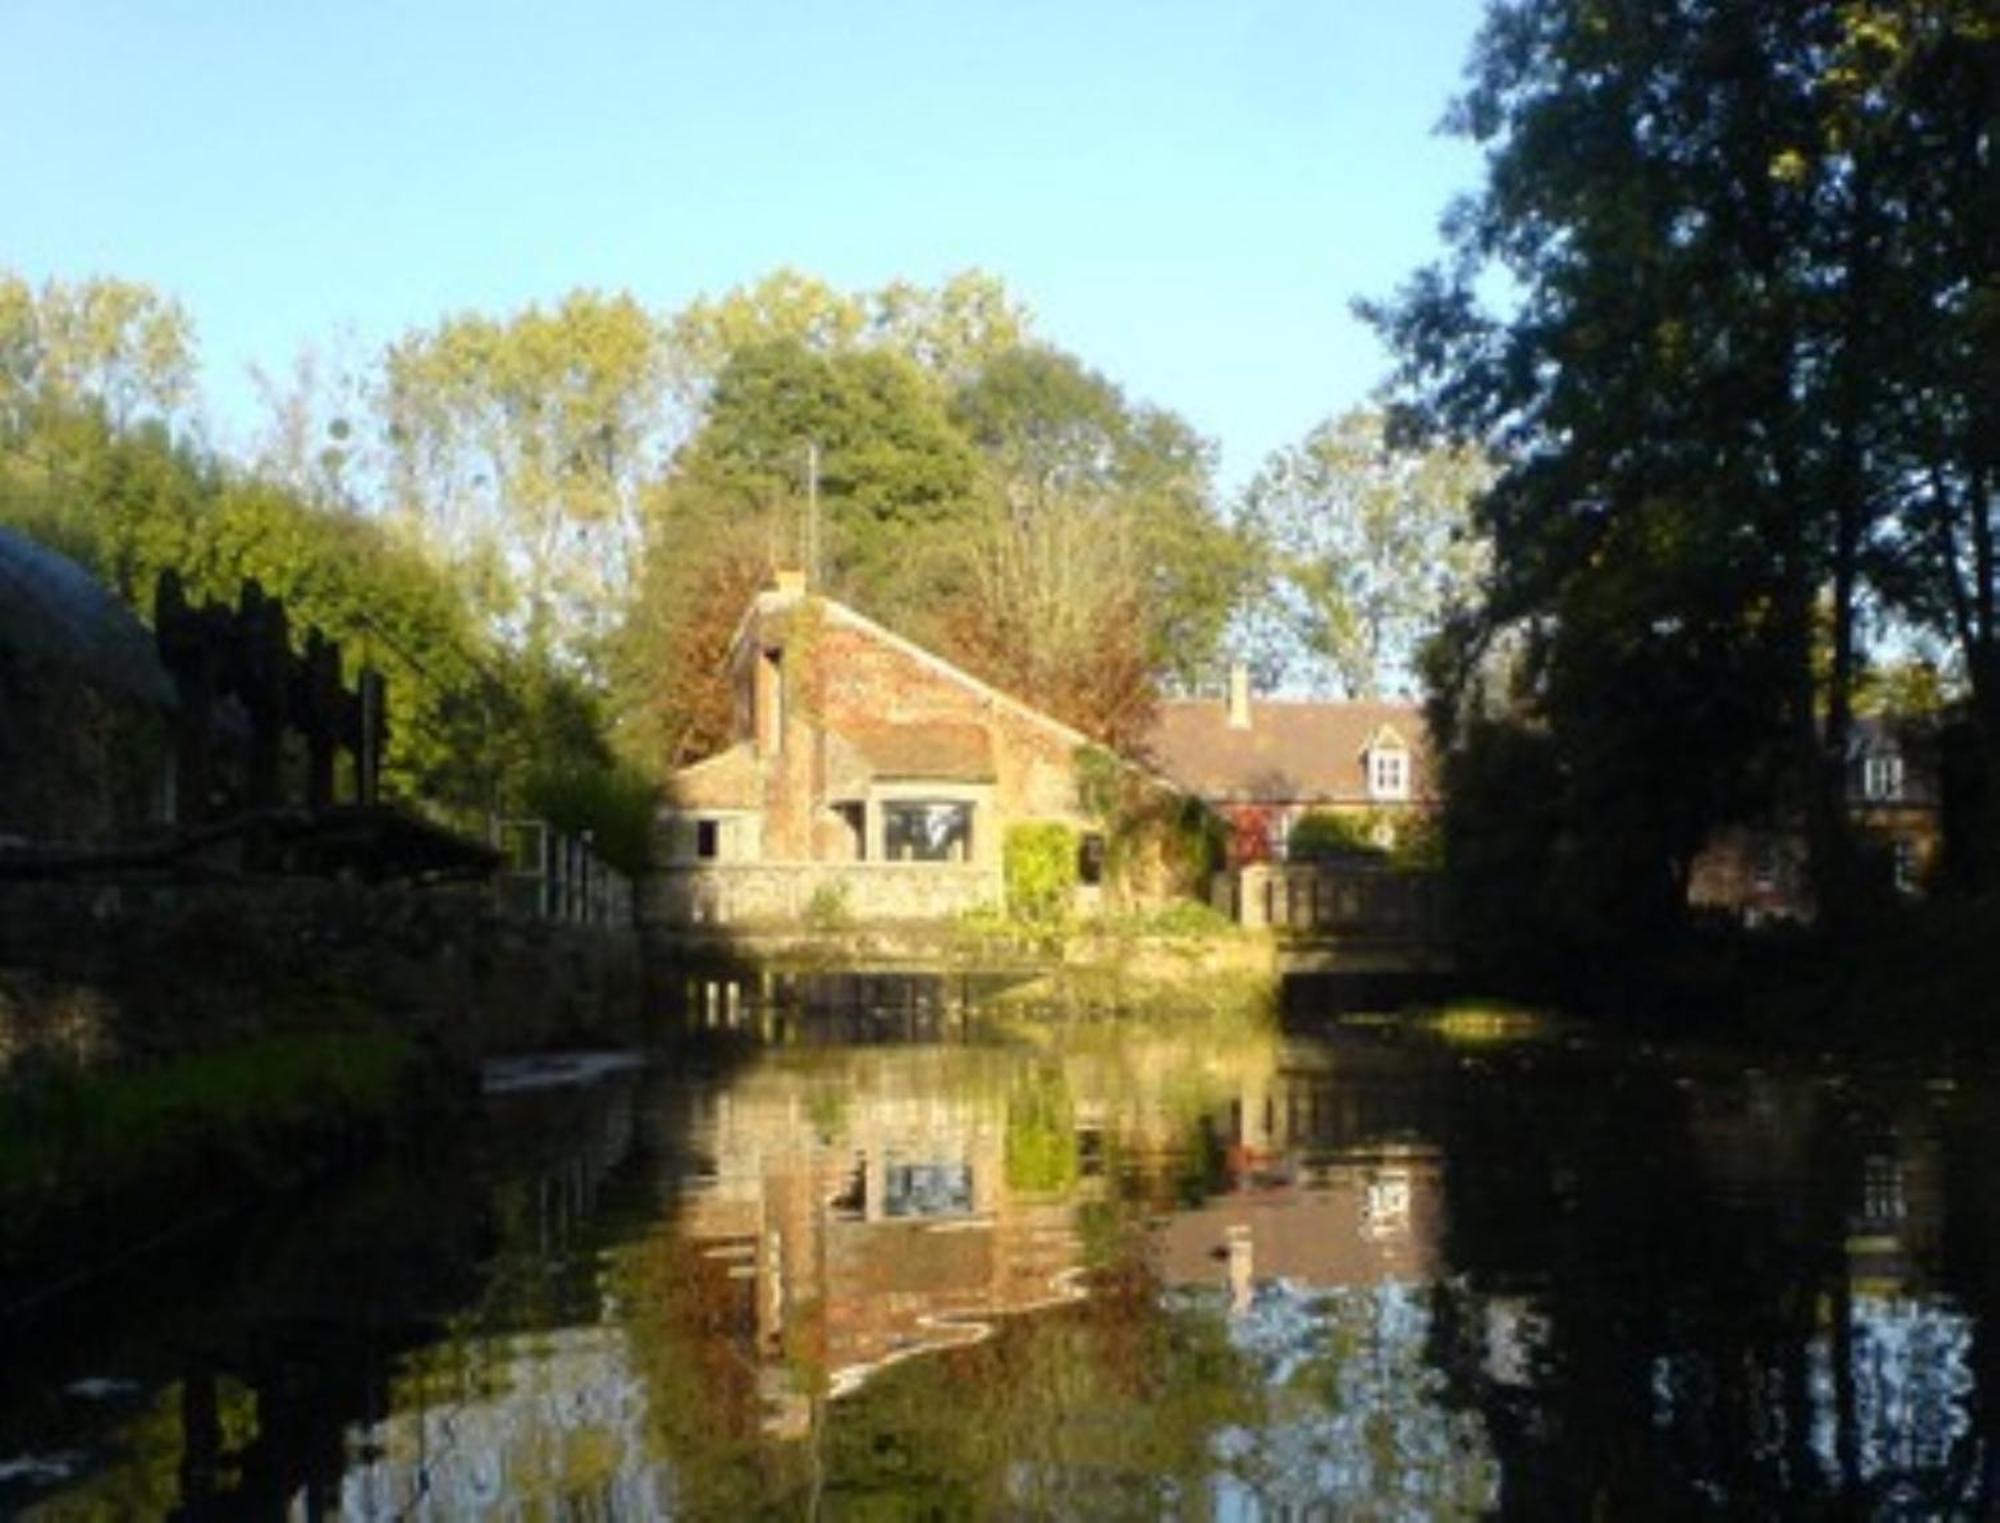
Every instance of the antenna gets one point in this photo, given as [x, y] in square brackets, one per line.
[812, 513]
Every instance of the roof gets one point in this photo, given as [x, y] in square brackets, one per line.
[729, 779]
[1293, 750]
[776, 604]
[52, 609]
[959, 753]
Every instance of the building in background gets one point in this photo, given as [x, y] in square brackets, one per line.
[1266, 764]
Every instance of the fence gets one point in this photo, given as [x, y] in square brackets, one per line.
[1371, 903]
[551, 875]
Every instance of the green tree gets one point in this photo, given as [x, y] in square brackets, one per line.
[1711, 226]
[947, 330]
[1097, 567]
[523, 444]
[1363, 550]
[113, 345]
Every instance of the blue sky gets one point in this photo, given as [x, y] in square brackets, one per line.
[1187, 196]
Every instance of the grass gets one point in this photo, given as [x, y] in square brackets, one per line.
[77, 1146]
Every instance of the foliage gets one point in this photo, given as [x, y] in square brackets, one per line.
[1729, 379]
[68, 1137]
[893, 474]
[1407, 838]
[1098, 566]
[828, 910]
[1363, 548]
[611, 803]
[1040, 867]
[1041, 1147]
[111, 348]
[524, 442]
[1158, 841]
[1326, 832]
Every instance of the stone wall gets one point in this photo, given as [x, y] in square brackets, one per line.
[793, 893]
[131, 971]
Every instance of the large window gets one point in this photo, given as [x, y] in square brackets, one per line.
[927, 831]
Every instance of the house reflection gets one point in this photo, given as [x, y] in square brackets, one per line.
[1306, 1199]
[864, 1217]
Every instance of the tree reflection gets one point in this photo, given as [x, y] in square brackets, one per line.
[1125, 1272]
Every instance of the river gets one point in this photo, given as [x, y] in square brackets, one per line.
[1351, 1269]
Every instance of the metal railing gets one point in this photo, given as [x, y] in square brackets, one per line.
[552, 875]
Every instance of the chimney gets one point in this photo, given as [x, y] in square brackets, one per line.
[1239, 695]
[788, 582]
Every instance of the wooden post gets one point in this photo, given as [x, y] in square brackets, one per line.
[374, 694]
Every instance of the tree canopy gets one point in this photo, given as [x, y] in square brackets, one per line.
[1738, 380]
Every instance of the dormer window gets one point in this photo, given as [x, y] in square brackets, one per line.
[1882, 776]
[1388, 773]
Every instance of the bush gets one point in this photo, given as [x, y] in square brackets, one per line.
[1325, 834]
[828, 909]
[1040, 863]
[613, 804]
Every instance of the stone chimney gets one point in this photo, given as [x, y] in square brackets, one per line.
[1239, 695]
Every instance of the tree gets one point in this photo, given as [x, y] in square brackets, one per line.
[947, 331]
[1714, 225]
[892, 472]
[1363, 549]
[113, 345]
[1098, 567]
[522, 446]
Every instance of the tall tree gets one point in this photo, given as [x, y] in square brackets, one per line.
[113, 345]
[1363, 550]
[523, 445]
[1701, 213]
[1098, 544]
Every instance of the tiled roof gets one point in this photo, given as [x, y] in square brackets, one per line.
[959, 753]
[1293, 751]
[729, 779]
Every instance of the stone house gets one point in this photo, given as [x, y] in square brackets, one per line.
[869, 778]
[1894, 799]
[1264, 764]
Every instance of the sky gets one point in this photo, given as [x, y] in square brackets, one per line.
[1186, 196]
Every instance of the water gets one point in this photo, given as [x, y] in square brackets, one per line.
[1360, 1271]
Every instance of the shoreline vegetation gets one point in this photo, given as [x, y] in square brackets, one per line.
[95, 1164]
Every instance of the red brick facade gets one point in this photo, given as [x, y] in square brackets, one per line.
[856, 748]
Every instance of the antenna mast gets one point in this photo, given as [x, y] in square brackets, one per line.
[812, 513]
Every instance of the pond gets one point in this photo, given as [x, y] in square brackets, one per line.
[1353, 1269]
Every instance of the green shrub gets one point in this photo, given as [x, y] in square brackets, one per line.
[1040, 864]
[613, 804]
[828, 909]
[1323, 833]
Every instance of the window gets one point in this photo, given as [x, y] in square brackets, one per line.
[770, 702]
[927, 831]
[1389, 774]
[855, 818]
[1090, 859]
[927, 1189]
[1882, 776]
[708, 839]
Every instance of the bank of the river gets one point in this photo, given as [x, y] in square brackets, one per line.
[1920, 983]
[96, 1164]
[1084, 970]
[169, 1052]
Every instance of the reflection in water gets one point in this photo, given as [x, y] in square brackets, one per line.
[1112, 1272]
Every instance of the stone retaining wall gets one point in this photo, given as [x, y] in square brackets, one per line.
[131, 971]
